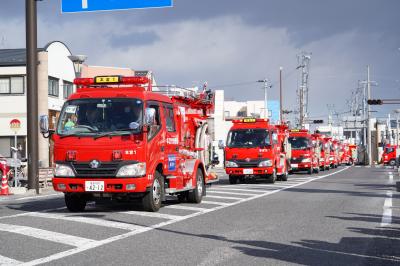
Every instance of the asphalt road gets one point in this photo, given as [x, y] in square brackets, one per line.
[347, 216]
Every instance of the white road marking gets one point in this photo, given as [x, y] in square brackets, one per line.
[184, 207]
[87, 220]
[220, 197]
[390, 178]
[154, 215]
[146, 229]
[46, 235]
[214, 202]
[230, 192]
[8, 261]
[262, 185]
[235, 189]
[387, 210]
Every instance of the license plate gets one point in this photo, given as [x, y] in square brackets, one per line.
[294, 165]
[94, 185]
[248, 171]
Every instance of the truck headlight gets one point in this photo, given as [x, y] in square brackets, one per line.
[132, 170]
[306, 160]
[63, 170]
[231, 164]
[265, 163]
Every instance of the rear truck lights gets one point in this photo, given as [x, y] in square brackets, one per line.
[61, 186]
[71, 156]
[231, 164]
[266, 163]
[130, 187]
[117, 156]
[63, 170]
[132, 170]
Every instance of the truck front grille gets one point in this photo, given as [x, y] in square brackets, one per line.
[108, 169]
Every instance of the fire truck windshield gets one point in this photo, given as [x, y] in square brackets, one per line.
[248, 138]
[99, 117]
[299, 143]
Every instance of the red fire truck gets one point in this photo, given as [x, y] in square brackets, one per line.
[389, 155]
[333, 152]
[253, 149]
[323, 150]
[117, 138]
[304, 157]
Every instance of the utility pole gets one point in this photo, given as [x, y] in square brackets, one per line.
[280, 96]
[369, 118]
[304, 64]
[32, 94]
[266, 87]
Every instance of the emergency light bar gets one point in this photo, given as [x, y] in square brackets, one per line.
[298, 130]
[250, 120]
[110, 80]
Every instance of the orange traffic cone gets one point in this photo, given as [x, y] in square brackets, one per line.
[4, 186]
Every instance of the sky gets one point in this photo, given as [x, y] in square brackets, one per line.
[232, 44]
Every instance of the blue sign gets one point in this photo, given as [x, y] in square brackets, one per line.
[171, 162]
[69, 6]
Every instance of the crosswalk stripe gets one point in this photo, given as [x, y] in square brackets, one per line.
[220, 197]
[87, 220]
[229, 192]
[236, 189]
[215, 202]
[8, 261]
[183, 207]
[263, 185]
[47, 235]
[154, 215]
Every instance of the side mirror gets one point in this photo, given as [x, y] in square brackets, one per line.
[221, 144]
[150, 116]
[44, 125]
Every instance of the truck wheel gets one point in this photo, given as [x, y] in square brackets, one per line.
[152, 200]
[233, 179]
[272, 178]
[322, 168]
[316, 170]
[196, 195]
[75, 202]
[284, 176]
[310, 171]
[182, 197]
[392, 162]
[242, 179]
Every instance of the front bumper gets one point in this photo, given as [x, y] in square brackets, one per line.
[300, 166]
[111, 185]
[250, 171]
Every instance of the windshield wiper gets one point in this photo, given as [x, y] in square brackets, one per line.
[114, 133]
[68, 135]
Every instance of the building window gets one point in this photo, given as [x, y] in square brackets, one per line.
[12, 85]
[53, 86]
[7, 142]
[227, 113]
[68, 89]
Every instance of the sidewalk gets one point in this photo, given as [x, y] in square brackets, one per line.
[25, 194]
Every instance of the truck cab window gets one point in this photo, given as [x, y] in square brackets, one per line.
[156, 126]
[169, 117]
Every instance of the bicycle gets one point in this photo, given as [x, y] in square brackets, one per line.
[21, 177]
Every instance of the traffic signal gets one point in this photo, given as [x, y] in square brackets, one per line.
[375, 102]
[318, 121]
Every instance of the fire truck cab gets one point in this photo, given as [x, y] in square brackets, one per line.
[323, 150]
[389, 155]
[116, 138]
[304, 157]
[253, 149]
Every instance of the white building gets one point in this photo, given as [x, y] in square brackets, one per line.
[55, 77]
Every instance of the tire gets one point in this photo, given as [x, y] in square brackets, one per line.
[152, 200]
[75, 202]
[310, 171]
[322, 168]
[285, 176]
[233, 179]
[183, 197]
[196, 195]
[316, 170]
[242, 179]
[272, 178]
[392, 162]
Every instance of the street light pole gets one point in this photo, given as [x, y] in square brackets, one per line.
[32, 94]
[280, 96]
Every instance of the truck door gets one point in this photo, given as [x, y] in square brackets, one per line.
[172, 141]
[155, 138]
